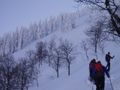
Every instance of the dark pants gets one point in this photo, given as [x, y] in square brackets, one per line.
[100, 83]
[108, 66]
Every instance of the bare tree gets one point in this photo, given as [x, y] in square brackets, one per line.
[68, 55]
[17, 76]
[41, 52]
[4, 44]
[15, 40]
[27, 73]
[113, 9]
[33, 29]
[56, 62]
[50, 48]
[22, 35]
[85, 48]
[7, 74]
[31, 56]
[97, 36]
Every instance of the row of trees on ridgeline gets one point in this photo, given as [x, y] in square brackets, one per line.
[23, 36]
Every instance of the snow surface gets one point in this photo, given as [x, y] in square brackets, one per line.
[79, 70]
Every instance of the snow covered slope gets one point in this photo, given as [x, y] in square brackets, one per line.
[79, 69]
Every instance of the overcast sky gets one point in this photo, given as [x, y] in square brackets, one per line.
[16, 13]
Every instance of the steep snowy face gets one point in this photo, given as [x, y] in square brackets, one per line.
[78, 80]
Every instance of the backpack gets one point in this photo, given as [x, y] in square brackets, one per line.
[99, 70]
[92, 70]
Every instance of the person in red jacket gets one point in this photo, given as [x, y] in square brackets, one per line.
[98, 72]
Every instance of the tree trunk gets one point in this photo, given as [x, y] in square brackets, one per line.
[68, 69]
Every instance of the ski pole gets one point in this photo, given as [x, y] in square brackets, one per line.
[92, 86]
[111, 84]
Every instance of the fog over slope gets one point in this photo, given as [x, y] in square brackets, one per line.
[79, 70]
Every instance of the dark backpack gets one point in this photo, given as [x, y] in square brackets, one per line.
[92, 70]
[99, 70]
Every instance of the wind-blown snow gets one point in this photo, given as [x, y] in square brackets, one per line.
[79, 69]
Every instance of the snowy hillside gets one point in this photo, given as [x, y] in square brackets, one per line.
[79, 70]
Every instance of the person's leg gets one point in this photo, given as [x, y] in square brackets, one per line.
[97, 87]
[98, 84]
[108, 67]
[102, 83]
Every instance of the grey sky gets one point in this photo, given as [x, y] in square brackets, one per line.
[16, 13]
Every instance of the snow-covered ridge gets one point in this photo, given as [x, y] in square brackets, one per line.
[79, 70]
